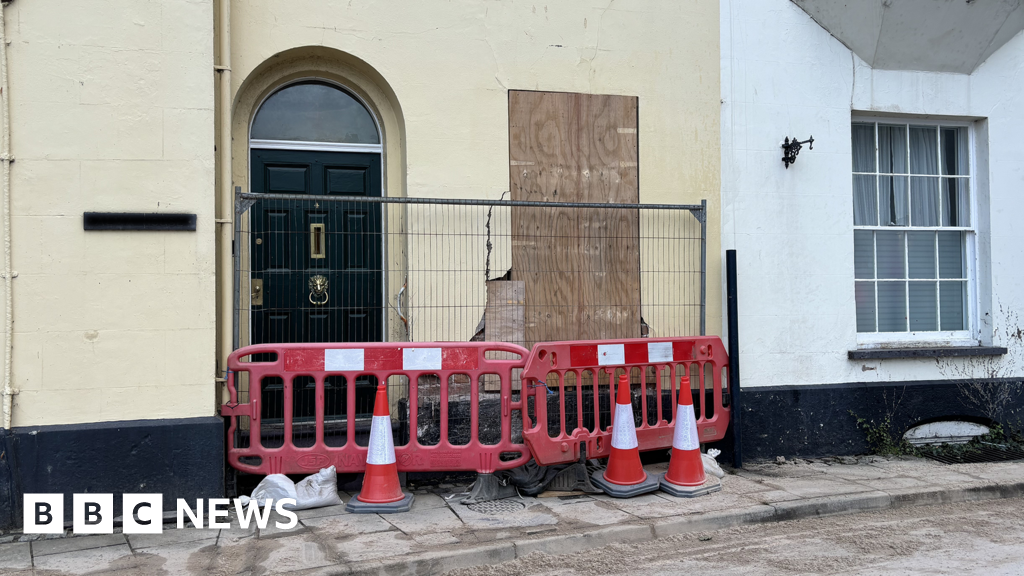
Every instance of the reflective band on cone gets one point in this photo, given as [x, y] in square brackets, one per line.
[382, 491]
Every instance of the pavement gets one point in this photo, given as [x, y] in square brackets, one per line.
[440, 534]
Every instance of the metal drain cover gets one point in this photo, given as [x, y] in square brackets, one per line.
[497, 507]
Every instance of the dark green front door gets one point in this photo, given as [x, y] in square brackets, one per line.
[337, 245]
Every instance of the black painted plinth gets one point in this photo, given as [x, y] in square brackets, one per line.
[179, 458]
[813, 421]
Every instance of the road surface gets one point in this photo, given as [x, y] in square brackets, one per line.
[968, 538]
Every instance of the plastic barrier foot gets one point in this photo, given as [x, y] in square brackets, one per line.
[651, 484]
[487, 488]
[357, 506]
[710, 485]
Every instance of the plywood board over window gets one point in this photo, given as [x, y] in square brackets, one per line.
[581, 267]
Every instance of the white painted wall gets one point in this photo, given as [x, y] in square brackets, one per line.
[784, 75]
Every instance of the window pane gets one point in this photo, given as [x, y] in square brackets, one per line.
[889, 251]
[892, 149]
[951, 255]
[924, 154]
[921, 254]
[924, 201]
[863, 254]
[923, 312]
[952, 305]
[863, 147]
[865, 201]
[865, 294]
[956, 206]
[954, 151]
[313, 112]
[892, 307]
[892, 196]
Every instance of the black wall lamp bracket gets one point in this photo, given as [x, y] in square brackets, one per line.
[790, 148]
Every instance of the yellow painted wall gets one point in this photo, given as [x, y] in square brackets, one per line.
[111, 110]
[443, 70]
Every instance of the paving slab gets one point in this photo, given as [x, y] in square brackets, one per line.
[321, 512]
[425, 501]
[375, 546]
[816, 487]
[83, 561]
[426, 520]
[589, 511]
[660, 505]
[172, 536]
[772, 496]
[856, 472]
[61, 545]
[436, 538]
[188, 557]
[894, 482]
[348, 524]
[15, 556]
[741, 485]
[292, 553]
[758, 471]
[272, 529]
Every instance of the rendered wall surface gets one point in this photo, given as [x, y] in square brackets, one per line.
[784, 75]
[111, 111]
[445, 69]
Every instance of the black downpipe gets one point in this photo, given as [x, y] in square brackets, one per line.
[734, 357]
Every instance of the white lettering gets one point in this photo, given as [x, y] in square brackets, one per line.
[280, 507]
[253, 511]
[216, 511]
[183, 509]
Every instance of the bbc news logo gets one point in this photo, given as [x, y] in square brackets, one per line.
[144, 513]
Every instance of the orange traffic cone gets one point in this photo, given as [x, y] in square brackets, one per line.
[382, 492]
[685, 476]
[624, 476]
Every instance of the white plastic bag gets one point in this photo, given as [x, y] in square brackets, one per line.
[274, 487]
[710, 464]
[317, 490]
[314, 491]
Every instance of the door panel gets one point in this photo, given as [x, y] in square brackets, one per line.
[295, 240]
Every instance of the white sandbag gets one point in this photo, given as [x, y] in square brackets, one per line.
[274, 487]
[317, 490]
[711, 465]
[314, 491]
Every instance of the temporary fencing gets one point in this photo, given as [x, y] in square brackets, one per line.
[293, 408]
[466, 406]
[571, 396]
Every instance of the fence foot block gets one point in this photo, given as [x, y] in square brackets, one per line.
[487, 488]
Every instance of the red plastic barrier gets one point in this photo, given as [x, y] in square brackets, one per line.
[702, 357]
[304, 362]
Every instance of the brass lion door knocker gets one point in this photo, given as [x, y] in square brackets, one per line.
[318, 290]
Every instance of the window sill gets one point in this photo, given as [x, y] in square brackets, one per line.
[937, 352]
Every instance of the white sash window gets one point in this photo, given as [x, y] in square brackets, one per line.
[913, 231]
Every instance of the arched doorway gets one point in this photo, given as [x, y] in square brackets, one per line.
[316, 262]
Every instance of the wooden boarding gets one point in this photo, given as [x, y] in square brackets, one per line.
[581, 268]
[504, 321]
